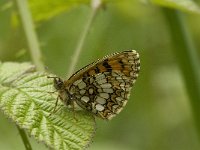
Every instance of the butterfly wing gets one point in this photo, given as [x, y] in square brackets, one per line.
[104, 86]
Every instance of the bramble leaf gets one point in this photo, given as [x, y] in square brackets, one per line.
[45, 9]
[25, 98]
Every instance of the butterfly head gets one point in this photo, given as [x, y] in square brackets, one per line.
[59, 84]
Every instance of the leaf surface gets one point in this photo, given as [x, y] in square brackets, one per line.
[25, 98]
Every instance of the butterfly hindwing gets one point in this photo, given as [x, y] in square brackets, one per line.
[104, 86]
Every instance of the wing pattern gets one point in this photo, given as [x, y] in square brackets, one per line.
[104, 86]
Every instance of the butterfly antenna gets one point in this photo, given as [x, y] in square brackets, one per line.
[52, 77]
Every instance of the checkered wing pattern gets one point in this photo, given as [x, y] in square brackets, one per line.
[104, 86]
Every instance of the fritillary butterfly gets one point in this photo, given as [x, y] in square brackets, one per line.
[102, 87]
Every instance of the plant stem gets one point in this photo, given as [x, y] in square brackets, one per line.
[187, 58]
[27, 23]
[95, 7]
[24, 138]
[33, 44]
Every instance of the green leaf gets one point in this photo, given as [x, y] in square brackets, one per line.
[45, 9]
[184, 5]
[25, 98]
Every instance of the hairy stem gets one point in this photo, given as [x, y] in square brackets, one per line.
[32, 40]
[33, 44]
[24, 138]
[74, 59]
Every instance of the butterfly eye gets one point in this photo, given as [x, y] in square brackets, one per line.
[58, 84]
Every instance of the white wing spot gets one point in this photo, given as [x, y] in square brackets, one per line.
[131, 73]
[102, 81]
[82, 92]
[100, 100]
[91, 80]
[106, 85]
[110, 117]
[104, 95]
[115, 107]
[77, 82]
[122, 84]
[108, 90]
[124, 103]
[99, 107]
[118, 77]
[100, 90]
[91, 90]
[100, 76]
[114, 74]
[81, 85]
[119, 110]
[85, 99]
[119, 99]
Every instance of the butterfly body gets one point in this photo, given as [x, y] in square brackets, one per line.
[102, 87]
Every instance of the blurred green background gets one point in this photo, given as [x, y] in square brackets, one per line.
[158, 115]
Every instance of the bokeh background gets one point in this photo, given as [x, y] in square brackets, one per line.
[158, 115]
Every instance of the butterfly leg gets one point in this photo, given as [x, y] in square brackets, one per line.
[73, 109]
[54, 109]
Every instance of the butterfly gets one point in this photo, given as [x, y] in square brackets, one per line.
[102, 87]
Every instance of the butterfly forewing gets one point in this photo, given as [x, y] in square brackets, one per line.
[104, 86]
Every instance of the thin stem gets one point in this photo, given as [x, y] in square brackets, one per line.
[186, 56]
[33, 44]
[24, 138]
[27, 23]
[95, 7]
